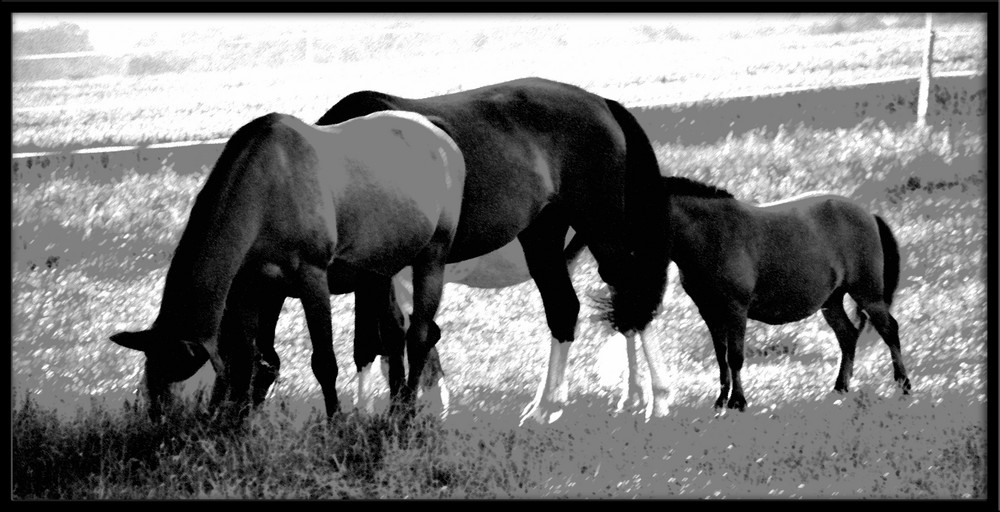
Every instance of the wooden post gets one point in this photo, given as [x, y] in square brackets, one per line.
[923, 98]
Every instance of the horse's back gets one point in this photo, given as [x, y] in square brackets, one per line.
[814, 244]
[516, 163]
[401, 181]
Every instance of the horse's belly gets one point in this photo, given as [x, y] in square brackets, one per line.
[785, 306]
[501, 268]
[498, 269]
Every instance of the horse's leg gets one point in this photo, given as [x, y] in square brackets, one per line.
[719, 342]
[267, 367]
[315, 297]
[632, 399]
[657, 373]
[423, 333]
[847, 336]
[888, 328]
[376, 331]
[432, 386]
[657, 376]
[728, 330]
[543, 252]
[236, 333]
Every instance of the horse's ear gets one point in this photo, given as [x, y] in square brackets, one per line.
[141, 340]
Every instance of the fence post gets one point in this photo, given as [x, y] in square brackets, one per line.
[923, 98]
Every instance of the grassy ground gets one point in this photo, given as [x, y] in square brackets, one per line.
[90, 258]
[644, 65]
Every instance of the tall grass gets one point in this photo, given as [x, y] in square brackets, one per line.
[77, 432]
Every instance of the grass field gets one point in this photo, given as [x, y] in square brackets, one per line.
[91, 254]
[641, 64]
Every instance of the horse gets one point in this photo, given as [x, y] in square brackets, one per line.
[499, 269]
[284, 201]
[541, 157]
[778, 263]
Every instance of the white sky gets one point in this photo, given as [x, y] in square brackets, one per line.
[110, 32]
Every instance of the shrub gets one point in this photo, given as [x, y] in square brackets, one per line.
[157, 64]
[61, 38]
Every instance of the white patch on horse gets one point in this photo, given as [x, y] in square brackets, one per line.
[447, 173]
[366, 401]
[542, 169]
[553, 393]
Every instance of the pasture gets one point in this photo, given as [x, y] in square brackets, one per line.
[77, 435]
[91, 245]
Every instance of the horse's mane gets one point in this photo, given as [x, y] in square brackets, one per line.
[681, 186]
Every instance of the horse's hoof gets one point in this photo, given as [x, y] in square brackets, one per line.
[661, 408]
[720, 403]
[437, 400]
[540, 415]
[905, 385]
[632, 404]
[738, 404]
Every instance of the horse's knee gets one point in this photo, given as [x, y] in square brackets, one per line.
[324, 366]
[734, 355]
[562, 322]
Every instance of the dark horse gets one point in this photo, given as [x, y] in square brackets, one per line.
[542, 156]
[779, 263]
[283, 202]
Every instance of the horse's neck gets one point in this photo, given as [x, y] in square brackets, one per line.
[695, 222]
[223, 225]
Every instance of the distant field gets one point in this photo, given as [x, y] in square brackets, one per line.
[90, 257]
[658, 68]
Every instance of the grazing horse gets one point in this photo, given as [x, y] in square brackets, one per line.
[779, 263]
[543, 156]
[284, 201]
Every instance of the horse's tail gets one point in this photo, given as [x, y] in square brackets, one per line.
[633, 305]
[891, 260]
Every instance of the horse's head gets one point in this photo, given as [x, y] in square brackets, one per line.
[169, 360]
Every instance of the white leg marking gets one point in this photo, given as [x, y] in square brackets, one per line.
[611, 361]
[402, 283]
[657, 376]
[366, 401]
[553, 394]
[633, 396]
[437, 397]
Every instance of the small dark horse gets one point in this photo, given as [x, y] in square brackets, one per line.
[283, 202]
[779, 263]
[542, 156]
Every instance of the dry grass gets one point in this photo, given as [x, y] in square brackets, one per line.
[79, 437]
